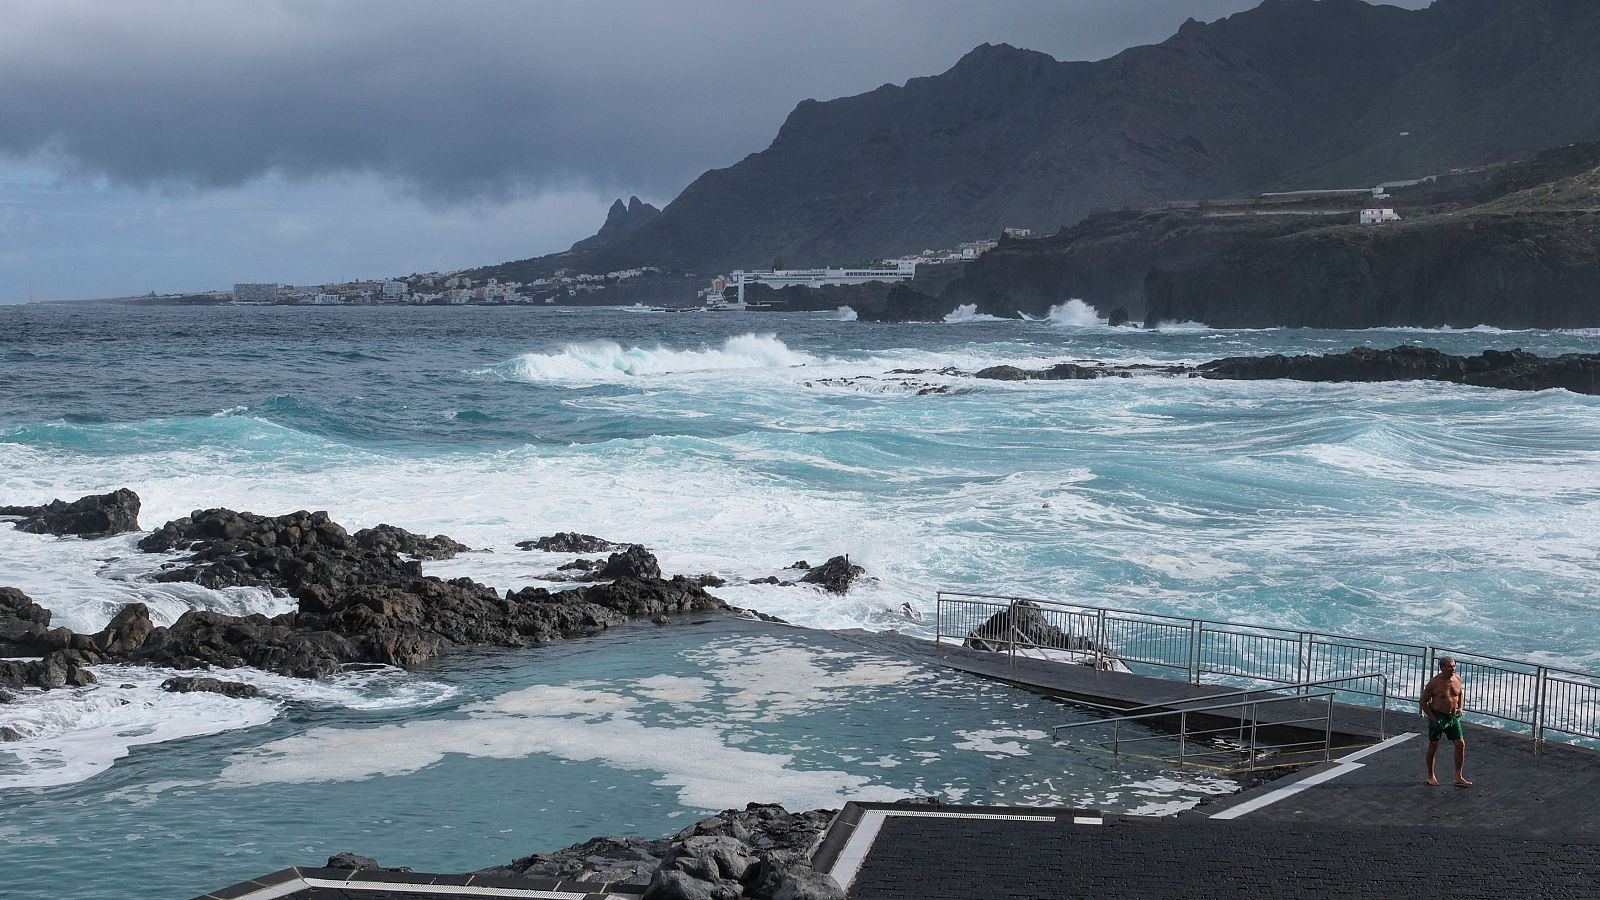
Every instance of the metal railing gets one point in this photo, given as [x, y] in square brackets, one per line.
[1241, 740]
[1246, 732]
[1542, 701]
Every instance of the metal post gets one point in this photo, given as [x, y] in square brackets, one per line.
[1255, 724]
[1383, 711]
[1101, 647]
[1011, 630]
[1327, 734]
[1194, 651]
[1305, 659]
[938, 617]
[1183, 731]
[1538, 708]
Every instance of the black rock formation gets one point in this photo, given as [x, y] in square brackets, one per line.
[98, 515]
[25, 631]
[1511, 370]
[1029, 628]
[622, 220]
[186, 684]
[761, 851]
[571, 542]
[358, 602]
[834, 575]
[633, 562]
[1517, 269]
[389, 539]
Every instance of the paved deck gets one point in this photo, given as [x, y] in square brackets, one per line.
[917, 857]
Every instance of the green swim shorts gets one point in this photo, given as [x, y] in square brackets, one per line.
[1446, 725]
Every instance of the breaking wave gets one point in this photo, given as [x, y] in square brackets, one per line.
[968, 312]
[607, 360]
[1075, 314]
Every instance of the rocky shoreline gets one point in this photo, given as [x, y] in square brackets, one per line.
[761, 852]
[1512, 370]
[360, 598]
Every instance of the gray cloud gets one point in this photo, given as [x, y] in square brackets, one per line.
[483, 99]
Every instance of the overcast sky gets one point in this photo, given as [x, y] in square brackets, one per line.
[188, 144]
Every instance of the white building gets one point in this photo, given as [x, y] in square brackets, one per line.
[394, 290]
[1377, 216]
[1014, 232]
[779, 279]
[975, 249]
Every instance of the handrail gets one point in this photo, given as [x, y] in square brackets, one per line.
[1545, 701]
[1280, 687]
[1252, 749]
[1168, 713]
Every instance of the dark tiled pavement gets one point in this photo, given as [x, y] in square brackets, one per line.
[963, 859]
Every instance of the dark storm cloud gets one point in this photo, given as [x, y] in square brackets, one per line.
[479, 99]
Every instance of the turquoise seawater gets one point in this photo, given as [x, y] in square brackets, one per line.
[732, 443]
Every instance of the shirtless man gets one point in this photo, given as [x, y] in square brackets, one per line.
[1442, 701]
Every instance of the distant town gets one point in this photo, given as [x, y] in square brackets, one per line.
[562, 286]
[567, 287]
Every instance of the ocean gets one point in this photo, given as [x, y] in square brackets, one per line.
[732, 444]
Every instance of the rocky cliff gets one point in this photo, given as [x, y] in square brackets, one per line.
[1511, 270]
[1335, 93]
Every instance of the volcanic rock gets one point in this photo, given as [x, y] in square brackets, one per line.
[571, 542]
[185, 684]
[23, 624]
[288, 552]
[1029, 628]
[127, 631]
[1512, 370]
[390, 539]
[761, 851]
[100, 515]
[632, 562]
[8, 733]
[834, 575]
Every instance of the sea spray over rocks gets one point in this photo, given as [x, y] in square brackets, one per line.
[358, 601]
[94, 516]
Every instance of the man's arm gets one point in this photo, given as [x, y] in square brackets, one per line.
[1461, 695]
[1426, 690]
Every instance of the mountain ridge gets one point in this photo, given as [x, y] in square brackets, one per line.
[1292, 93]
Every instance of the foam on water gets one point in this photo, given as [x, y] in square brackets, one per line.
[1076, 314]
[607, 360]
[568, 722]
[968, 312]
[73, 734]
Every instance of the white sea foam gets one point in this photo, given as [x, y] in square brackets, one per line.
[72, 734]
[607, 360]
[1076, 314]
[566, 722]
[968, 312]
[771, 678]
[845, 314]
[991, 741]
[84, 583]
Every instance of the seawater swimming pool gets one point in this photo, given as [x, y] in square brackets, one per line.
[639, 731]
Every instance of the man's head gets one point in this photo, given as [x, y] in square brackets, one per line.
[1447, 664]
